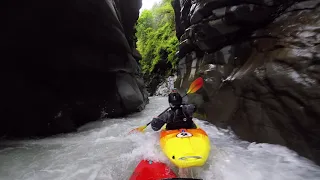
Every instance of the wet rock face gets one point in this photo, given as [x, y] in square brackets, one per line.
[154, 80]
[259, 60]
[67, 62]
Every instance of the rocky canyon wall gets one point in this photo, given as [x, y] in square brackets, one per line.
[260, 61]
[67, 62]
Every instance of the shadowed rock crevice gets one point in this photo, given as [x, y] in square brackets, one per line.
[260, 62]
[67, 62]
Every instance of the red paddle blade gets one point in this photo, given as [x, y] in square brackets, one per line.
[195, 85]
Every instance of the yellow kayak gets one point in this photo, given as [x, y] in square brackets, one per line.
[185, 147]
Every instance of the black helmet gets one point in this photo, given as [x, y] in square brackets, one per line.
[175, 100]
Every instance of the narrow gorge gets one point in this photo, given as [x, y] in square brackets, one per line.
[68, 62]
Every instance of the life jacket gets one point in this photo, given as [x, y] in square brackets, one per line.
[178, 115]
[179, 119]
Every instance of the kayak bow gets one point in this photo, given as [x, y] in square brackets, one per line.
[185, 147]
[151, 170]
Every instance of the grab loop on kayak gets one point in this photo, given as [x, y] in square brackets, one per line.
[190, 157]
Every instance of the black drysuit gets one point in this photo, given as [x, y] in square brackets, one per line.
[177, 118]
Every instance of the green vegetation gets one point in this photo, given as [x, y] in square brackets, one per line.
[157, 41]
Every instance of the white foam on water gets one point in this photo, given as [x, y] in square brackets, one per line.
[104, 151]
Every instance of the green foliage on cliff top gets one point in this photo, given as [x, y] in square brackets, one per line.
[156, 36]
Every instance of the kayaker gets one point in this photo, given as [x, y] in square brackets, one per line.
[179, 115]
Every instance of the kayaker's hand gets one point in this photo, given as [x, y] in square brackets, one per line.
[157, 123]
[195, 108]
[190, 109]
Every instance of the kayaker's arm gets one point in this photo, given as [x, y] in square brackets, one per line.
[190, 109]
[158, 122]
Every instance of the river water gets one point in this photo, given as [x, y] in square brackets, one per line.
[105, 151]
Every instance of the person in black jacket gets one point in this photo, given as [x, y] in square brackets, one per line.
[178, 117]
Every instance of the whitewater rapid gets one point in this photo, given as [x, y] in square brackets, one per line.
[104, 151]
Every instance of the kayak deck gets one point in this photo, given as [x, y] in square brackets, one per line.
[185, 147]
